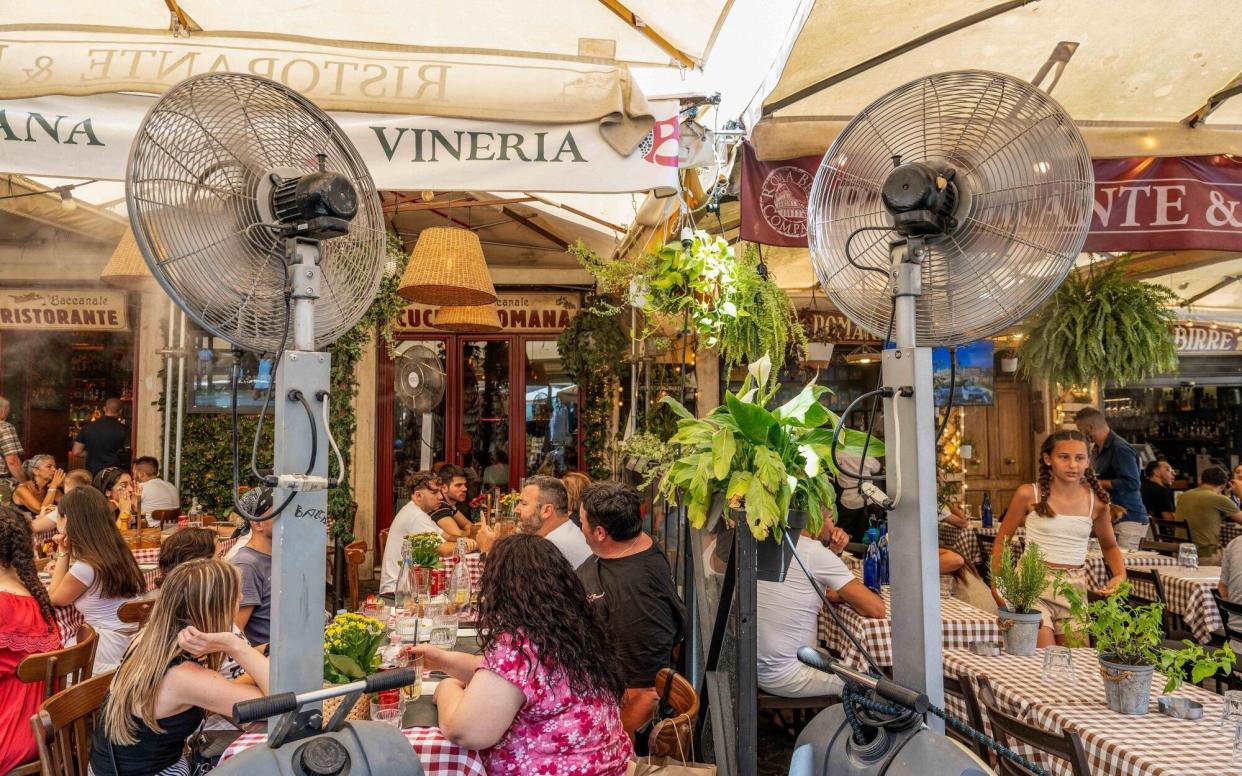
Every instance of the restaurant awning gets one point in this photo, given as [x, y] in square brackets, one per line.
[1129, 73]
[505, 60]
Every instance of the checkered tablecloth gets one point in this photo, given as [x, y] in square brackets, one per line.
[474, 564]
[1116, 744]
[1229, 531]
[960, 625]
[963, 541]
[1189, 595]
[438, 755]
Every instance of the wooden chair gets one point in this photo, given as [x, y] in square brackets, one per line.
[1010, 731]
[674, 736]
[51, 668]
[166, 515]
[1170, 549]
[1232, 632]
[1170, 530]
[64, 724]
[383, 542]
[136, 611]
[964, 690]
[355, 556]
[1174, 632]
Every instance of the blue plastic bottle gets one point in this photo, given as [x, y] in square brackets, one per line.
[871, 560]
[883, 544]
[985, 512]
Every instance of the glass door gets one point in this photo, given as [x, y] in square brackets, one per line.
[485, 401]
[550, 411]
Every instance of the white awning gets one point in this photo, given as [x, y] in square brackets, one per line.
[1128, 71]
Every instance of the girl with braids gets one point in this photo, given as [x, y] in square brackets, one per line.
[26, 627]
[169, 680]
[544, 697]
[95, 572]
[1061, 512]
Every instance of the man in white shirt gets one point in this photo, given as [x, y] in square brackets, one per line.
[414, 518]
[543, 509]
[157, 493]
[789, 613]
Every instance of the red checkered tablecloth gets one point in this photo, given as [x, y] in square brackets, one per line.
[474, 563]
[961, 624]
[1116, 744]
[438, 755]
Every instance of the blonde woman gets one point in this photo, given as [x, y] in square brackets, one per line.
[168, 681]
[575, 483]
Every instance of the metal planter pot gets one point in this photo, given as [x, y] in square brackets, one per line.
[1019, 631]
[1127, 689]
[772, 555]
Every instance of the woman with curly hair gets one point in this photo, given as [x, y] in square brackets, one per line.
[1061, 511]
[27, 627]
[544, 697]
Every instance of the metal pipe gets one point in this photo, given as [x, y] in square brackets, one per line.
[168, 384]
[180, 396]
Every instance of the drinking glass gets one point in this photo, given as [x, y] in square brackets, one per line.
[1237, 743]
[1093, 545]
[1188, 556]
[387, 715]
[414, 691]
[946, 586]
[444, 631]
[1231, 709]
[1058, 664]
[407, 630]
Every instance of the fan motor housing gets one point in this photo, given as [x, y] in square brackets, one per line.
[319, 205]
[920, 199]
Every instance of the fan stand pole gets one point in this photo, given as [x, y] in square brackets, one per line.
[909, 429]
[300, 536]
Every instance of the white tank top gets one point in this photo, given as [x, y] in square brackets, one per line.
[1062, 538]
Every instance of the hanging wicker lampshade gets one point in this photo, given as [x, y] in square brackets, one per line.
[127, 268]
[447, 268]
[480, 318]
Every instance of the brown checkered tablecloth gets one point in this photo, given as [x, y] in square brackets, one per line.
[1229, 531]
[1116, 744]
[963, 541]
[961, 624]
[1189, 595]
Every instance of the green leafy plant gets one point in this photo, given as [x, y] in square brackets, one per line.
[1101, 326]
[653, 455]
[763, 460]
[351, 647]
[1020, 582]
[1131, 635]
[593, 349]
[424, 549]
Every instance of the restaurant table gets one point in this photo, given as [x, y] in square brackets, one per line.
[474, 564]
[438, 755]
[1188, 593]
[1229, 531]
[961, 624]
[963, 541]
[1116, 744]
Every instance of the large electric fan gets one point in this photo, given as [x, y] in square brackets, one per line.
[259, 219]
[420, 388]
[945, 211]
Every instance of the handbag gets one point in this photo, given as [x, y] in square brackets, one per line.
[669, 766]
[663, 711]
[207, 746]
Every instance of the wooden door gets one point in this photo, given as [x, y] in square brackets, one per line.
[1004, 454]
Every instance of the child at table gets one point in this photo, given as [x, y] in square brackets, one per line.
[27, 627]
[1061, 512]
[168, 681]
[95, 572]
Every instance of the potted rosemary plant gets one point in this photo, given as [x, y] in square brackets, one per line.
[1127, 642]
[773, 464]
[1020, 584]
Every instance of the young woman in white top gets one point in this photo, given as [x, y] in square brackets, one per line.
[95, 572]
[1061, 512]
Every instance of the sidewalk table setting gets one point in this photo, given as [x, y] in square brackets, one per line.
[1151, 744]
[438, 755]
[1189, 595]
[963, 541]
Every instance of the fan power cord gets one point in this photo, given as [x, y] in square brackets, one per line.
[298, 396]
[323, 397]
[236, 456]
[859, 475]
[850, 258]
[851, 695]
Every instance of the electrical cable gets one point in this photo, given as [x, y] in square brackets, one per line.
[323, 397]
[236, 462]
[879, 388]
[258, 429]
[296, 395]
[850, 258]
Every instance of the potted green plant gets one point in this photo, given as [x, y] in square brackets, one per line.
[1020, 584]
[351, 645]
[1101, 326]
[1127, 642]
[424, 549]
[775, 464]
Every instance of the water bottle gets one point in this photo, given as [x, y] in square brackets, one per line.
[985, 511]
[883, 545]
[405, 597]
[871, 560]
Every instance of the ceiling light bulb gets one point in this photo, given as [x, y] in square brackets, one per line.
[67, 202]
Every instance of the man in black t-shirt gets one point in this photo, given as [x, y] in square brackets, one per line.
[453, 514]
[102, 440]
[629, 584]
[1157, 490]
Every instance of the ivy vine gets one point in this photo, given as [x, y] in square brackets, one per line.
[593, 349]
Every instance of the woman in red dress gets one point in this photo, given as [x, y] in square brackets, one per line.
[27, 627]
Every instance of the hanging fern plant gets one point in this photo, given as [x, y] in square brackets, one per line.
[1103, 326]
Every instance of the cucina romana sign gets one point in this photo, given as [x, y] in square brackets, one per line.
[62, 309]
[520, 313]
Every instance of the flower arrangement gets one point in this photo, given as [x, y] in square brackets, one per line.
[351, 647]
[508, 502]
[425, 549]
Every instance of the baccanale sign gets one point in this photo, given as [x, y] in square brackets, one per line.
[63, 309]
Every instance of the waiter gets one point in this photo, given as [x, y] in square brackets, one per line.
[1116, 465]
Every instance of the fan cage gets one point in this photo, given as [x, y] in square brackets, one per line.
[194, 171]
[1025, 188]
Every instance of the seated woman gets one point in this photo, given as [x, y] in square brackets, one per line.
[545, 695]
[575, 483]
[185, 545]
[95, 572]
[41, 490]
[27, 627]
[168, 681]
[118, 487]
[52, 520]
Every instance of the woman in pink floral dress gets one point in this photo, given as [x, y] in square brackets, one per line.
[544, 697]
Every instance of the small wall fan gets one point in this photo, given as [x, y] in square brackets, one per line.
[419, 379]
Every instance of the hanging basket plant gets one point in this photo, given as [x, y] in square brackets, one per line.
[1101, 326]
